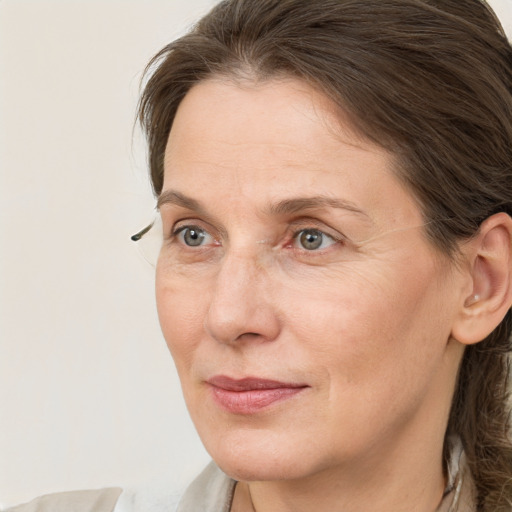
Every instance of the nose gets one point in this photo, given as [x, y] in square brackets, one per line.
[241, 306]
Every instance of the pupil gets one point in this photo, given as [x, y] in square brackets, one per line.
[311, 240]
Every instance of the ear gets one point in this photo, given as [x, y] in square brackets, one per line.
[489, 257]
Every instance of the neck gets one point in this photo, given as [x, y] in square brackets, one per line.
[387, 487]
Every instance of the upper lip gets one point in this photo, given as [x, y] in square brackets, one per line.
[249, 383]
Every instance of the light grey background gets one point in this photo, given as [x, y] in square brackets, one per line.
[88, 392]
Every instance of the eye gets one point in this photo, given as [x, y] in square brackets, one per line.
[193, 236]
[313, 239]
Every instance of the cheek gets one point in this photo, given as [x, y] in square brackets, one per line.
[374, 347]
[368, 328]
[342, 332]
[181, 312]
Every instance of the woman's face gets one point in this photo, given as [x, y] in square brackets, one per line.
[308, 316]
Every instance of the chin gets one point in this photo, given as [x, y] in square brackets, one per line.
[258, 469]
[263, 456]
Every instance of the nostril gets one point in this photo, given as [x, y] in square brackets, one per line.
[251, 336]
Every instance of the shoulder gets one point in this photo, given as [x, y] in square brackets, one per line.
[100, 500]
[152, 498]
[461, 495]
[211, 491]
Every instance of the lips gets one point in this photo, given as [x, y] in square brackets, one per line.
[250, 395]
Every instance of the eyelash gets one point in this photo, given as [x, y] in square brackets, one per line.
[291, 240]
[181, 229]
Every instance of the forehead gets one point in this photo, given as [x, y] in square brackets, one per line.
[268, 140]
[269, 113]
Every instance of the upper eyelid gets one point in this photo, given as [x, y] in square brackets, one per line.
[305, 220]
[324, 232]
[176, 237]
[292, 230]
[181, 224]
[185, 222]
[311, 253]
[304, 224]
[179, 228]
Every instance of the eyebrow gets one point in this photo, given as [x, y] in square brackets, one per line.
[283, 207]
[179, 199]
[299, 204]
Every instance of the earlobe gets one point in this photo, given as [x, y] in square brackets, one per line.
[490, 266]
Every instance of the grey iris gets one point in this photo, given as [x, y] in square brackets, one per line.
[193, 236]
[311, 239]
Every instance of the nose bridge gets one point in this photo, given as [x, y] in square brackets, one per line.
[240, 303]
[236, 275]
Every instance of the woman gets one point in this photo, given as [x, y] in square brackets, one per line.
[334, 182]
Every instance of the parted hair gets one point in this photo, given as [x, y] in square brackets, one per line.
[428, 80]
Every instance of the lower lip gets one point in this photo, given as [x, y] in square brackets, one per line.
[253, 400]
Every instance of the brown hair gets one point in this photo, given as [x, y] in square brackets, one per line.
[430, 80]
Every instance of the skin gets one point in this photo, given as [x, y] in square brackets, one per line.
[364, 322]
